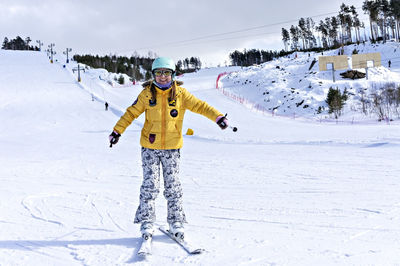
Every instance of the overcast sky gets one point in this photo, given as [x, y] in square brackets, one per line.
[174, 28]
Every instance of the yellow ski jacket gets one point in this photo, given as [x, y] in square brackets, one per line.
[164, 115]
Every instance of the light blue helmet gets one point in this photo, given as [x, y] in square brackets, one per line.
[163, 62]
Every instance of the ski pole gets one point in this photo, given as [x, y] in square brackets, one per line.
[231, 127]
[234, 129]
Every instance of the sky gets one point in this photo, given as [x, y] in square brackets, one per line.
[207, 29]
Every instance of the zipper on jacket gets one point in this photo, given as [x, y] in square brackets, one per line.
[163, 119]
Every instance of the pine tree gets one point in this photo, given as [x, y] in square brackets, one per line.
[179, 65]
[310, 25]
[395, 7]
[236, 58]
[346, 23]
[27, 41]
[302, 31]
[186, 63]
[384, 11]
[137, 74]
[370, 7]
[5, 44]
[148, 75]
[285, 37]
[336, 100]
[333, 30]
[193, 62]
[199, 64]
[121, 80]
[294, 32]
[323, 29]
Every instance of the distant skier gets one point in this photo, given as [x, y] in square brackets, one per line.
[106, 104]
[164, 102]
[389, 63]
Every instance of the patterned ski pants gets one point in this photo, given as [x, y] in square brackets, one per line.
[169, 160]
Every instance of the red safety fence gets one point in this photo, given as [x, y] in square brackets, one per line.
[241, 99]
[219, 76]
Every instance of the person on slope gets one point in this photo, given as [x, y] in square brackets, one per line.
[164, 102]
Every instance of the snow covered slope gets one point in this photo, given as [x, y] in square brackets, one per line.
[277, 192]
[292, 86]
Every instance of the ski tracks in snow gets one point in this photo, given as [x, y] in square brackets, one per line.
[29, 203]
[380, 218]
[95, 215]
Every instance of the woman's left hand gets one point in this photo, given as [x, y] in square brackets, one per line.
[222, 122]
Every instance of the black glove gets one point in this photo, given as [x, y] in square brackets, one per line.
[114, 137]
[222, 122]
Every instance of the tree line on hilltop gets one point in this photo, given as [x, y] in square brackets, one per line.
[332, 32]
[345, 28]
[137, 67]
[254, 56]
[18, 44]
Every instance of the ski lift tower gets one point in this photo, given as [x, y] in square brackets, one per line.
[66, 53]
[79, 69]
[40, 44]
[52, 53]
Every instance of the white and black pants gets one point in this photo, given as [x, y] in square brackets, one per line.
[152, 161]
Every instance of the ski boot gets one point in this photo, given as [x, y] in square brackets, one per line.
[147, 230]
[177, 230]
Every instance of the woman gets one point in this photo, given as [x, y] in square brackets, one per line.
[164, 102]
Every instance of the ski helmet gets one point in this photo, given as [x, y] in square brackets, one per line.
[163, 62]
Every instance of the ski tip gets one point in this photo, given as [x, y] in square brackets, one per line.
[197, 251]
[143, 255]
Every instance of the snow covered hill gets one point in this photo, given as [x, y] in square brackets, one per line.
[288, 87]
[280, 191]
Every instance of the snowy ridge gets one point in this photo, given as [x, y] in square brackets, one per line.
[288, 87]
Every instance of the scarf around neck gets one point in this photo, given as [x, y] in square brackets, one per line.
[163, 87]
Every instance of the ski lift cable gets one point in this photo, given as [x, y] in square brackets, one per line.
[229, 33]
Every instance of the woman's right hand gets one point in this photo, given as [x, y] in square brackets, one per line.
[114, 137]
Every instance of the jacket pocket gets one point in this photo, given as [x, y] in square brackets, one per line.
[152, 138]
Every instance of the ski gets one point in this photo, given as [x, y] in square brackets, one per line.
[183, 243]
[145, 247]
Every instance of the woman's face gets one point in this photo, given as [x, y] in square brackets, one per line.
[163, 79]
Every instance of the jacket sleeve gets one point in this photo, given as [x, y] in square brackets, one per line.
[201, 107]
[132, 112]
